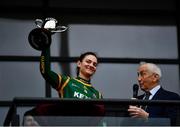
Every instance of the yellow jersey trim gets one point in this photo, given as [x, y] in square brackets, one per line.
[86, 84]
[59, 82]
[62, 88]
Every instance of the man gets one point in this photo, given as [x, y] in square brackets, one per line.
[149, 76]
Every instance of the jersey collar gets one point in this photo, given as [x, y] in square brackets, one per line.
[84, 80]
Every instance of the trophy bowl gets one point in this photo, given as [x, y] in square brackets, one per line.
[40, 38]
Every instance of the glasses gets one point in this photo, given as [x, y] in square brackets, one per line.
[144, 74]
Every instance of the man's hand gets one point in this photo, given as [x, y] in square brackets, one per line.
[137, 112]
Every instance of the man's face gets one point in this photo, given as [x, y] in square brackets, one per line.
[88, 65]
[147, 80]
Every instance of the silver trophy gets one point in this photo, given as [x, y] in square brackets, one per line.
[40, 37]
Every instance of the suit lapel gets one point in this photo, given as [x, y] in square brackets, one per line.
[158, 94]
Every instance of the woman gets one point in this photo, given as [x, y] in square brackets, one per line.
[69, 87]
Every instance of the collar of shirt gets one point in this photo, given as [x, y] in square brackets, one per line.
[84, 80]
[153, 91]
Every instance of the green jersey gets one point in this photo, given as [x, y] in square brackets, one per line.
[76, 88]
[66, 86]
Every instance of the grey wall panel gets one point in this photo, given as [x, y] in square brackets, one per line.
[124, 40]
[20, 79]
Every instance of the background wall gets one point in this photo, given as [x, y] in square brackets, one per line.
[120, 34]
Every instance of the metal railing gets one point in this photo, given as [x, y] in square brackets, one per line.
[112, 107]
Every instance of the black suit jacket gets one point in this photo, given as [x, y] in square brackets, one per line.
[163, 111]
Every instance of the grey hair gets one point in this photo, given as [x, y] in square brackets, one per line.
[153, 68]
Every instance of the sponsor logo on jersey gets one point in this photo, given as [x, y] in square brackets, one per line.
[75, 85]
[80, 95]
[85, 91]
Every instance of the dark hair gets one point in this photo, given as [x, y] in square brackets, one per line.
[82, 56]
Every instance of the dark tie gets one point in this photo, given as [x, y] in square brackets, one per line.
[147, 95]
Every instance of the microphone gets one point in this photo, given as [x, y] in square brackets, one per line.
[135, 90]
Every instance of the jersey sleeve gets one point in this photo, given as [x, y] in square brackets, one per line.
[45, 68]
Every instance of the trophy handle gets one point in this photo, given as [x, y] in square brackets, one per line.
[59, 29]
[39, 22]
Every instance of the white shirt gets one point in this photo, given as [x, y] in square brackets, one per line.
[153, 91]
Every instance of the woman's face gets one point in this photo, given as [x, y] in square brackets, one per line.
[87, 67]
